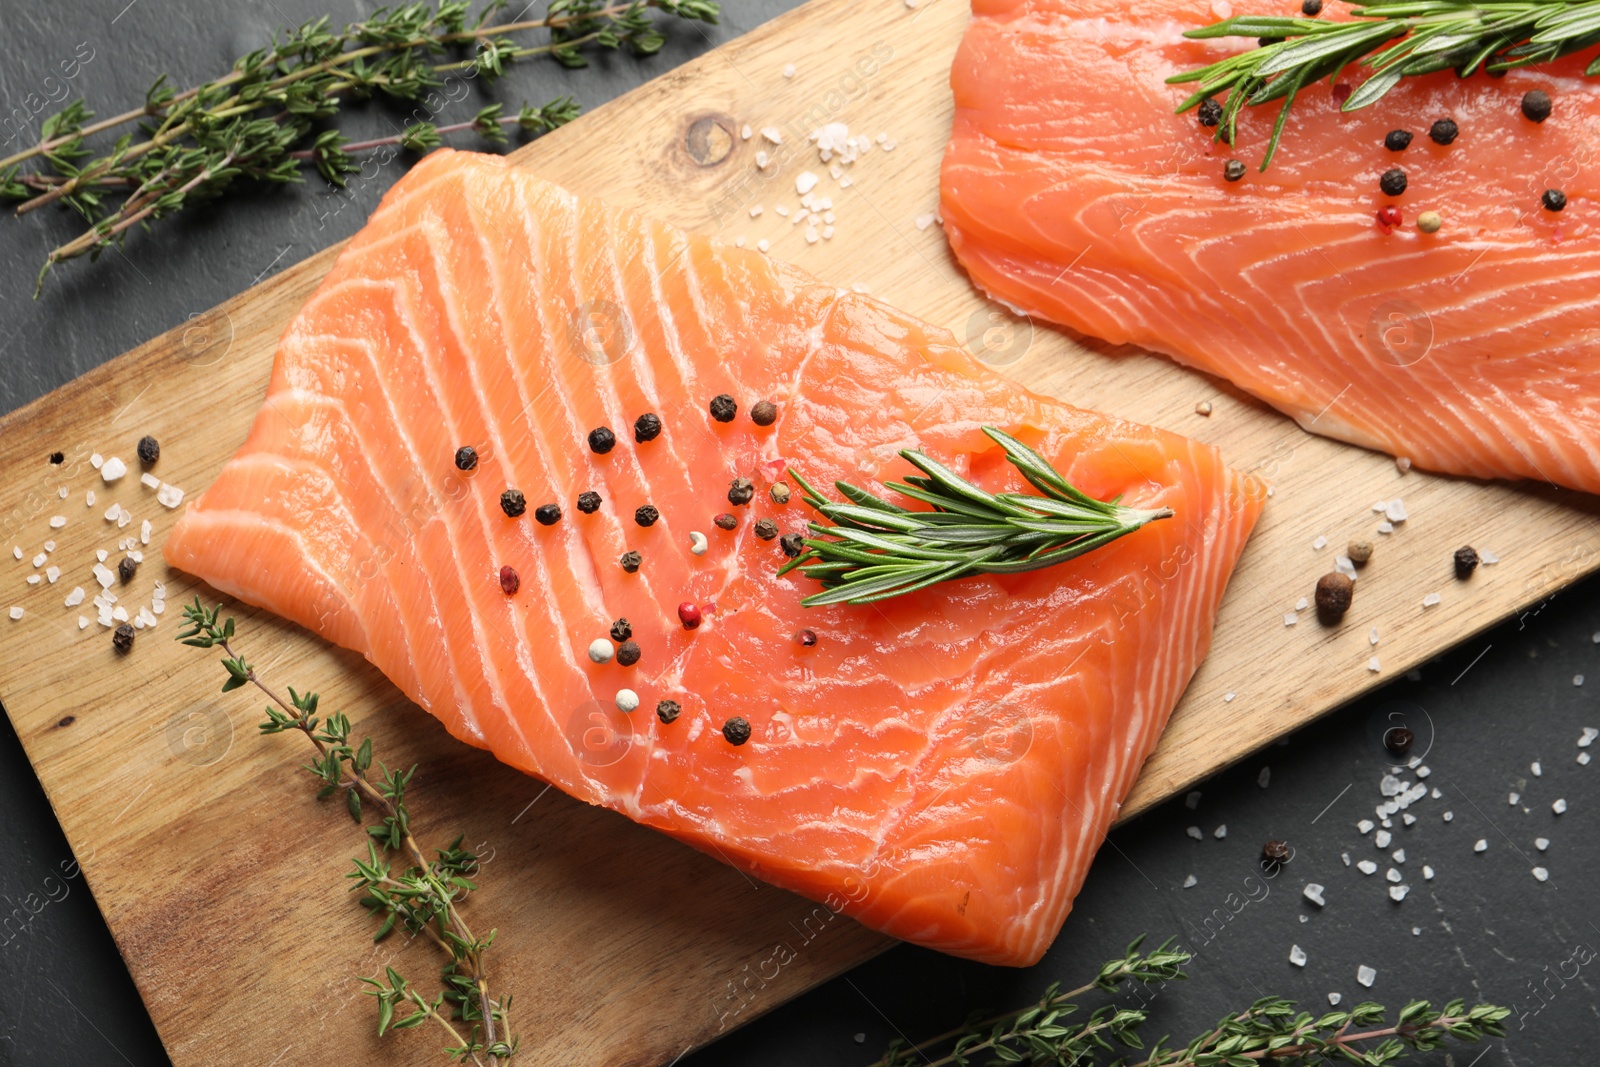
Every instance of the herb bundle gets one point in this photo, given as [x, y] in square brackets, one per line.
[265, 120]
[877, 550]
[1393, 39]
[1269, 1031]
[423, 899]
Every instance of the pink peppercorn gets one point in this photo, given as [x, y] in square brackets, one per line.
[509, 581]
[1389, 218]
[689, 615]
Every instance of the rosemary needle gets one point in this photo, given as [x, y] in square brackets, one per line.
[1393, 40]
[876, 550]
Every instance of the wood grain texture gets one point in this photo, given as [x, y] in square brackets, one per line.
[212, 861]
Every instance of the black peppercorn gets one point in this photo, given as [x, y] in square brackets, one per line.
[723, 409]
[621, 630]
[1232, 170]
[646, 515]
[588, 503]
[1311, 8]
[149, 450]
[58, 458]
[628, 653]
[1334, 592]
[1397, 140]
[1393, 182]
[122, 639]
[667, 710]
[792, 544]
[547, 514]
[1209, 113]
[806, 638]
[1553, 200]
[602, 440]
[765, 413]
[126, 568]
[647, 427]
[1444, 131]
[1276, 851]
[513, 503]
[1398, 740]
[1536, 105]
[726, 521]
[736, 730]
[1466, 561]
[466, 458]
[630, 561]
[766, 529]
[740, 491]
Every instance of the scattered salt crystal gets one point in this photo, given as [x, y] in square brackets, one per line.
[1227, 698]
[1427, 873]
[1366, 976]
[57, 521]
[846, 182]
[38, 561]
[1380, 507]
[827, 233]
[788, 70]
[1423, 772]
[96, 460]
[888, 146]
[113, 513]
[16, 613]
[1541, 874]
[1264, 777]
[1192, 801]
[1297, 955]
[763, 244]
[1559, 807]
[1487, 558]
[1345, 856]
[158, 606]
[1449, 815]
[1436, 795]
[1589, 732]
[119, 613]
[763, 161]
[1367, 867]
[83, 622]
[1398, 855]
[104, 575]
[1195, 832]
[75, 597]
[1393, 875]
[1372, 636]
[1220, 832]
[924, 220]
[16, 550]
[1313, 892]
[746, 132]
[138, 623]
[146, 617]
[148, 480]
[1402, 463]
[113, 469]
[1320, 543]
[1290, 619]
[1541, 843]
[1344, 565]
[1409, 819]
[52, 573]
[1365, 826]
[1396, 511]
[101, 555]
[1482, 845]
[812, 236]
[1538, 771]
[1334, 998]
[33, 579]
[1190, 882]
[1513, 798]
[1397, 893]
[62, 492]
[1389, 785]
[1386, 527]
[127, 516]
[1583, 759]
[1577, 679]
[806, 182]
[1382, 838]
[1301, 604]
[1373, 665]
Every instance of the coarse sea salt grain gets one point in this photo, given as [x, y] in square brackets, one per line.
[1373, 665]
[1297, 955]
[83, 622]
[788, 70]
[1227, 698]
[1334, 998]
[149, 481]
[1487, 558]
[88, 499]
[1398, 855]
[1190, 882]
[62, 492]
[924, 220]
[75, 597]
[1397, 893]
[96, 460]
[1393, 875]
[57, 521]
[1583, 759]
[38, 560]
[1513, 798]
[1382, 838]
[113, 469]
[1196, 833]
[1577, 679]
[1192, 801]
[1320, 543]
[1313, 892]
[1386, 527]
[16, 613]
[1449, 815]
[1541, 843]
[1587, 739]
[1301, 604]
[806, 182]
[1409, 819]
[1559, 807]
[1345, 856]
[1481, 845]
[1220, 832]
[1365, 826]
[1395, 512]
[1538, 771]
[1366, 976]
[51, 574]
[16, 551]
[101, 555]
[1541, 874]
[1423, 772]
[1290, 619]
[1372, 636]
[763, 245]
[1430, 600]
[1264, 778]
[120, 613]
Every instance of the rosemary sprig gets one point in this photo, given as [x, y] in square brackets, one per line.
[877, 550]
[261, 120]
[1270, 1030]
[423, 898]
[1393, 39]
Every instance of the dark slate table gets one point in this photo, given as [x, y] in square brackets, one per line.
[1482, 927]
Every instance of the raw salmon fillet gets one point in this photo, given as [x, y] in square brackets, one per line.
[942, 766]
[1071, 191]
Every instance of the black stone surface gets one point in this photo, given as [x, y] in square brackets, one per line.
[1482, 928]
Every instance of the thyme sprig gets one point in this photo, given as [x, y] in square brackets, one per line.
[423, 898]
[876, 550]
[1270, 1031]
[263, 121]
[1394, 40]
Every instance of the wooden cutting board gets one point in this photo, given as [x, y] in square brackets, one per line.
[220, 875]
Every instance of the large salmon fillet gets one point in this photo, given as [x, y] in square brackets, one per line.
[1071, 191]
[942, 766]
